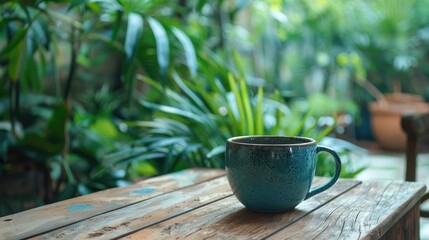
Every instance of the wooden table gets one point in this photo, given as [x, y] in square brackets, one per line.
[198, 204]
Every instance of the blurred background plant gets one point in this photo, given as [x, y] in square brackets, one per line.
[69, 72]
[97, 94]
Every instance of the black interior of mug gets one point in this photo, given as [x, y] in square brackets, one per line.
[271, 140]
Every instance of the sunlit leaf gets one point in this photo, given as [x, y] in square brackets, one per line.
[188, 47]
[105, 127]
[238, 103]
[162, 45]
[134, 29]
[247, 107]
[215, 151]
[259, 114]
[188, 91]
[171, 110]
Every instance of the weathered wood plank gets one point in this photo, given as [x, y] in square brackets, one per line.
[49, 217]
[366, 212]
[140, 215]
[228, 219]
[406, 228]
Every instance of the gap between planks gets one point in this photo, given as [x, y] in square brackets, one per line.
[368, 211]
[50, 217]
[152, 211]
[230, 220]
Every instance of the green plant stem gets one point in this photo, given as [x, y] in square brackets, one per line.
[70, 77]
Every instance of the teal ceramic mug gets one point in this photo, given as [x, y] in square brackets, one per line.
[274, 173]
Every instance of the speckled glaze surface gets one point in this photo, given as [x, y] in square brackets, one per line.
[274, 173]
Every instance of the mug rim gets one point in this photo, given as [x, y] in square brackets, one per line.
[306, 141]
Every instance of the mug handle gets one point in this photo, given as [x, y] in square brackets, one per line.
[331, 182]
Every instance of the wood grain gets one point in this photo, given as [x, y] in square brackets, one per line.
[408, 227]
[198, 204]
[366, 212]
[228, 219]
[43, 219]
[140, 215]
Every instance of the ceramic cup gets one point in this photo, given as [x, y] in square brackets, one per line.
[274, 173]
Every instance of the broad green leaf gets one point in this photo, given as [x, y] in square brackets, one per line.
[134, 30]
[162, 45]
[105, 127]
[188, 47]
[30, 76]
[16, 40]
[145, 169]
[56, 127]
[16, 61]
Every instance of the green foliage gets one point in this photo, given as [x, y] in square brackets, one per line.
[55, 49]
[190, 129]
[99, 93]
[293, 45]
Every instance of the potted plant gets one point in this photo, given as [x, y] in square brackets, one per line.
[387, 108]
[386, 113]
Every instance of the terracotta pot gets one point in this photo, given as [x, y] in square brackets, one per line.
[386, 119]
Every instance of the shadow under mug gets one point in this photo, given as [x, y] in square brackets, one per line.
[274, 173]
